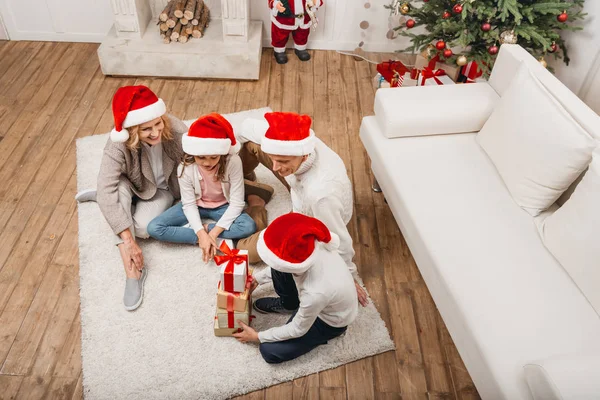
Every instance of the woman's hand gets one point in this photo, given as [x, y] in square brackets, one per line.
[207, 244]
[215, 232]
[279, 6]
[135, 253]
[247, 334]
[362, 295]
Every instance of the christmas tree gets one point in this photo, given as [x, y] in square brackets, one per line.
[479, 27]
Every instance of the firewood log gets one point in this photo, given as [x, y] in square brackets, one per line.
[190, 7]
[176, 31]
[204, 18]
[167, 38]
[164, 27]
[164, 15]
[183, 38]
[179, 8]
[184, 21]
[196, 32]
[199, 8]
[189, 28]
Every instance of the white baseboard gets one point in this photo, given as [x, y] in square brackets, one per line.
[58, 37]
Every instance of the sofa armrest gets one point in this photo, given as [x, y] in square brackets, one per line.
[434, 110]
[571, 376]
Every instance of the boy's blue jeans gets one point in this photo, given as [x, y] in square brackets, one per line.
[168, 226]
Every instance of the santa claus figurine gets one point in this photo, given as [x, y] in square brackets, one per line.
[294, 16]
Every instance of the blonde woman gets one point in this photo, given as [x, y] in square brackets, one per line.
[138, 177]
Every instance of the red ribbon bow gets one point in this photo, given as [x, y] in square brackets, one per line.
[231, 257]
[430, 73]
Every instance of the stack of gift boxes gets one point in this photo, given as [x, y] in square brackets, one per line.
[428, 70]
[233, 292]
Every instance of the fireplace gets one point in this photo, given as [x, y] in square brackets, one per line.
[229, 49]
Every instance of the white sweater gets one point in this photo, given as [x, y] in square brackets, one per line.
[233, 190]
[320, 188]
[326, 290]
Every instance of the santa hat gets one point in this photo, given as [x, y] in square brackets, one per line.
[289, 134]
[288, 244]
[209, 135]
[134, 105]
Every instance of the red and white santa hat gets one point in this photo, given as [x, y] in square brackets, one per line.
[209, 135]
[134, 105]
[289, 134]
[289, 242]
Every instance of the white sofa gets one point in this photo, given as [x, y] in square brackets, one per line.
[523, 327]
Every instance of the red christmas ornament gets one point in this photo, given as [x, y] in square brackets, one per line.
[493, 50]
[425, 1]
[553, 47]
[457, 8]
[446, 15]
[440, 45]
[410, 23]
[447, 53]
[486, 27]
[563, 17]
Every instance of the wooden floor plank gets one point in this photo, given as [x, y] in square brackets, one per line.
[43, 361]
[9, 386]
[17, 92]
[18, 292]
[41, 108]
[281, 391]
[359, 379]
[31, 329]
[290, 99]
[306, 388]
[276, 87]
[335, 377]
[433, 357]
[332, 393]
[40, 167]
[258, 395]
[17, 60]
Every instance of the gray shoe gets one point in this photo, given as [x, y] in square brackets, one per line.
[86, 195]
[134, 291]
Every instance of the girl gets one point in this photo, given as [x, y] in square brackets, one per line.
[212, 187]
[138, 168]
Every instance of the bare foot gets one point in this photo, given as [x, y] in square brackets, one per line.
[254, 200]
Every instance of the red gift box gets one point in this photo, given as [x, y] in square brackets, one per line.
[392, 69]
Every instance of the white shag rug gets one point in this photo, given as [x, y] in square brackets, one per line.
[166, 349]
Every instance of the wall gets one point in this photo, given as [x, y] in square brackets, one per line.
[3, 33]
[584, 48]
[57, 20]
[89, 20]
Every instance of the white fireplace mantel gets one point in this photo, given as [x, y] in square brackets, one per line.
[230, 48]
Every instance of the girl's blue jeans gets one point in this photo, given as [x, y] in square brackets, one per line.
[169, 226]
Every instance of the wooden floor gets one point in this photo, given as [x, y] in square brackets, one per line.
[53, 93]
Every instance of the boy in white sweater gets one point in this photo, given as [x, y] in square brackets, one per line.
[303, 247]
[316, 177]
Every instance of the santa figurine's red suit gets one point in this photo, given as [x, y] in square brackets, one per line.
[295, 16]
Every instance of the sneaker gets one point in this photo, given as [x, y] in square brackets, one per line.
[270, 305]
[86, 195]
[134, 291]
[303, 55]
[261, 190]
[281, 58]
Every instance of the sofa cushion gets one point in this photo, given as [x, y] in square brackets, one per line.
[408, 111]
[504, 298]
[536, 146]
[572, 234]
[570, 376]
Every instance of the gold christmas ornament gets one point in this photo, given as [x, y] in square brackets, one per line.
[404, 9]
[508, 37]
[461, 60]
[358, 52]
[364, 24]
[390, 34]
[367, 5]
[543, 62]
